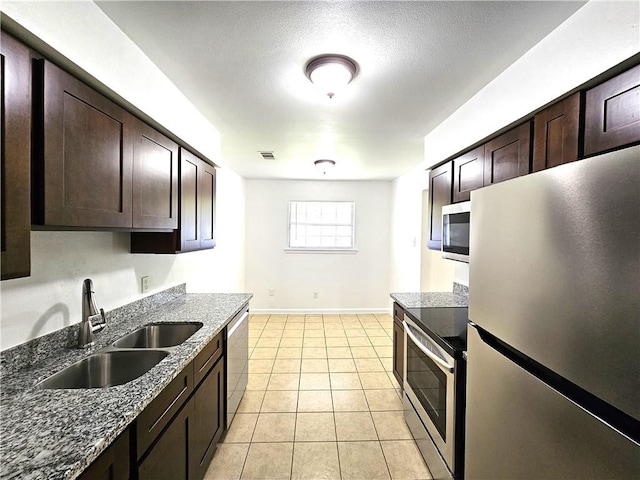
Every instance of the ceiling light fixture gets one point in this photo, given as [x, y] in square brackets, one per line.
[331, 73]
[324, 165]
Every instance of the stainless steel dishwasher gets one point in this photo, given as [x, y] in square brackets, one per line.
[237, 361]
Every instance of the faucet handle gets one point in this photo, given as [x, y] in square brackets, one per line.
[98, 326]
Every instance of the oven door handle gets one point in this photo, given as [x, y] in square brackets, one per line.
[441, 363]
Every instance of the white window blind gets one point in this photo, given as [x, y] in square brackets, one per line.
[321, 225]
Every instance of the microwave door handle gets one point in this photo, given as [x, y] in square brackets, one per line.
[441, 363]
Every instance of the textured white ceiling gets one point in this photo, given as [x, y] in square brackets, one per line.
[242, 64]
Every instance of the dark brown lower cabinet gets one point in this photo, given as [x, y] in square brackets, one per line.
[398, 344]
[398, 351]
[168, 459]
[208, 425]
[152, 422]
[113, 464]
[175, 437]
[178, 432]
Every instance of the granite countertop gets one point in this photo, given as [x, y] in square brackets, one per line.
[457, 298]
[56, 434]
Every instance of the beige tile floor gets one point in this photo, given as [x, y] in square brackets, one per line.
[321, 403]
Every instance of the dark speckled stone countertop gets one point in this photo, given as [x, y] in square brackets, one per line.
[56, 434]
[457, 298]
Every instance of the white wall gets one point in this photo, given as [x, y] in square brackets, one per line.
[406, 230]
[51, 297]
[344, 282]
[597, 37]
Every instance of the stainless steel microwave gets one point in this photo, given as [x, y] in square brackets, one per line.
[456, 220]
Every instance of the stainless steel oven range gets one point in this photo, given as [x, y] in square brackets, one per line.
[434, 386]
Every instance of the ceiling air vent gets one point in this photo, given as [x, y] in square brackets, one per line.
[267, 155]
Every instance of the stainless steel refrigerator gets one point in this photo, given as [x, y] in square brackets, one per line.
[553, 381]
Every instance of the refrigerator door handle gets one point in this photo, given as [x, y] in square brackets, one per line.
[444, 366]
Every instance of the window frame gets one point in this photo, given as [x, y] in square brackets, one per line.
[322, 249]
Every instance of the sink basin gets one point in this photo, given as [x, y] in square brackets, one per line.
[158, 335]
[105, 369]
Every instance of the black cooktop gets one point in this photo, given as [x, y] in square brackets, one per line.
[446, 325]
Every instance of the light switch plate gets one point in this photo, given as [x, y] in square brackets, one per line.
[144, 284]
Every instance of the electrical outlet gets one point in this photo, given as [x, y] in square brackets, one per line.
[272, 292]
[144, 284]
[315, 294]
[272, 303]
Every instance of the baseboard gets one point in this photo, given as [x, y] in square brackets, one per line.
[319, 311]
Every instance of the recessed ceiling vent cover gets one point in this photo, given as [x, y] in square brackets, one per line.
[267, 155]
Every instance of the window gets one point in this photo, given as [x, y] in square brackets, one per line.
[321, 226]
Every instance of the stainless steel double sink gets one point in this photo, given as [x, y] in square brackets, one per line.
[130, 357]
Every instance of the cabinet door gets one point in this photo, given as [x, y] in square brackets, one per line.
[468, 174]
[113, 463]
[208, 421]
[508, 155]
[155, 179]
[398, 351]
[15, 193]
[158, 414]
[82, 174]
[207, 202]
[197, 203]
[197, 223]
[168, 459]
[439, 195]
[190, 192]
[555, 138]
[612, 113]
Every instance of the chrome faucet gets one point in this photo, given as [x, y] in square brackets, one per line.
[89, 312]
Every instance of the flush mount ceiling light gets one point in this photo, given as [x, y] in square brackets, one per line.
[331, 73]
[324, 165]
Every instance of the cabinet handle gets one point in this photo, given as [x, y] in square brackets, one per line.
[184, 389]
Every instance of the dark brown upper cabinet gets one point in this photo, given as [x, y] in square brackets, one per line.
[82, 156]
[556, 134]
[508, 155]
[502, 158]
[468, 174]
[15, 82]
[95, 165]
[612, 113]
[198, 203]
[155, 178]
[440, 180]
[197, 212]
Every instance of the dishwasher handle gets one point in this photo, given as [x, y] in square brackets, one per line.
[235, 323]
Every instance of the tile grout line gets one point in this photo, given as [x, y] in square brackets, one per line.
[331, 389]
